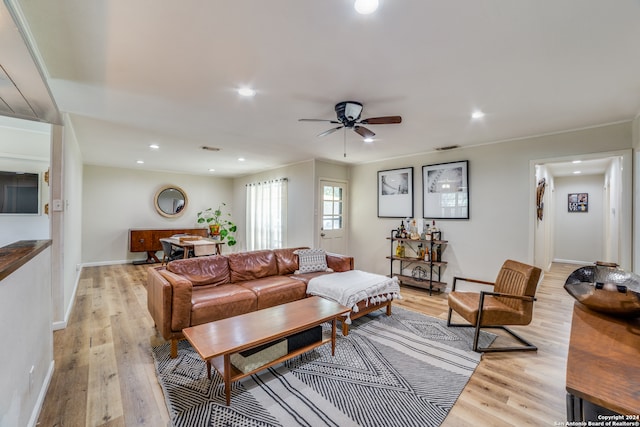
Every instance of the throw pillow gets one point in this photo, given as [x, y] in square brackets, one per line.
[311, 260]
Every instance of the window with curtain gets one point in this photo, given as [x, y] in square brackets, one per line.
[267, 214]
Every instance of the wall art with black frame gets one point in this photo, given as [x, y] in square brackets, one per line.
[446, 190]
[578, 202]
[395, 193]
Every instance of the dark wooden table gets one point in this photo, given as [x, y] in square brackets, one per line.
[148, 240]
[603, 364]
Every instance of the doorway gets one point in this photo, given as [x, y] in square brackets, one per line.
[333, 216]
[597, 230]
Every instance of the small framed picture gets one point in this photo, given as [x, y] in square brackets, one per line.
[446, 190]
[395, 193]
[578, 202]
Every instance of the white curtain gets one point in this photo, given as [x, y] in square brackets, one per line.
[267, 214]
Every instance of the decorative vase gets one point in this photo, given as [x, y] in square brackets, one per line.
[214, 229]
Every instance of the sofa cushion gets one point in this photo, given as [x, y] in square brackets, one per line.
[246, 266]
[287, 260]
[310, 260]
[209, 303]
[275, 290]
[305, 277]
[207, 270]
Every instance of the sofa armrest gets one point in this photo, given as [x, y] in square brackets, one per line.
[169, 301]
[339, 263]
[159, 294]
[182, 290]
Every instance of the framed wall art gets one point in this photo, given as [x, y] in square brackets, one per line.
[578, 202]
[395, 193]
[446, 190]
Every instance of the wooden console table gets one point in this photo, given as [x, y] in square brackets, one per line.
[603, 365]
[141, 240]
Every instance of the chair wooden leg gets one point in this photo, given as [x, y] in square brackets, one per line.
[389, 308]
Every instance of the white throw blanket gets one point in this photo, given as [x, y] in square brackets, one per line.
[350, 287]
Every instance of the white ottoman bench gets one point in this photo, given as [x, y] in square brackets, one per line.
[361, 291]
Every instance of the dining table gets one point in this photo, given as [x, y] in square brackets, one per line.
[197, 245]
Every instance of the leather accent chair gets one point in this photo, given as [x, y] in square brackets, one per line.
[510, 303]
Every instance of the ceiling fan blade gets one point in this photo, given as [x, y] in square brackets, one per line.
[363, 132]
[318, 120]
[382, 120]
[330, 131]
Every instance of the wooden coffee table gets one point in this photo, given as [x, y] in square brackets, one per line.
[216, 341]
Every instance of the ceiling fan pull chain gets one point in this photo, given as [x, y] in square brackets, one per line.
[344, 143]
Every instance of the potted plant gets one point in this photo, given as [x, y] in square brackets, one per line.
[220, 227]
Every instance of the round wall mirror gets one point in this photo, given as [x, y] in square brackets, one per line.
[171, 201]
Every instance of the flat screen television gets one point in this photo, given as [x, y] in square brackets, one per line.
[19, 192]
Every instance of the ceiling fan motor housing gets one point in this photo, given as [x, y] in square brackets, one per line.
[348, 112]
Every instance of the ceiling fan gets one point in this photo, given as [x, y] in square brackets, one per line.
[348, 117]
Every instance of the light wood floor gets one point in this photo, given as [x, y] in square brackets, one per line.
[104, 372]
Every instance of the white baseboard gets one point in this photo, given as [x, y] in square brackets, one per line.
[100, 263]
[63, 323]
[41, 395]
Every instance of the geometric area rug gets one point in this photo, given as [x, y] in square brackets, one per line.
[407, 369]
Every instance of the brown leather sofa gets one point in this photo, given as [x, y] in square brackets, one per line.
[198, 290]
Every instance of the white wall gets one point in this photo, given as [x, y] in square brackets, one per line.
[544, 228]
[24, 147]
[115, 200]
[25, 311]
[612, 211]
[579, 235]
[501, 205]
[72, 232]
[300, 208]
[636, 192]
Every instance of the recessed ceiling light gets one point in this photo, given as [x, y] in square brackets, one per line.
[212, 170]
[154, 146]
[241, 159]
[140, 162]
[576, 162]
[476, 115]
[365, 7]
[368, 140]
[246, 91]
[577, 172]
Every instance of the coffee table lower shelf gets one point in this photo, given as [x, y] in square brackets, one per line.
[220, 362]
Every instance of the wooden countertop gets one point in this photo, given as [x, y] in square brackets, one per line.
[603, 364]
[17, 254]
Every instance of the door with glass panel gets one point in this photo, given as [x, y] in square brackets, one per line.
[333, 203]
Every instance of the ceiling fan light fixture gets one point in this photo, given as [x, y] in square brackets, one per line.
[365, 7]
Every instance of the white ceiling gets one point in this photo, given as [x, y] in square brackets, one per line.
[133, 73]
